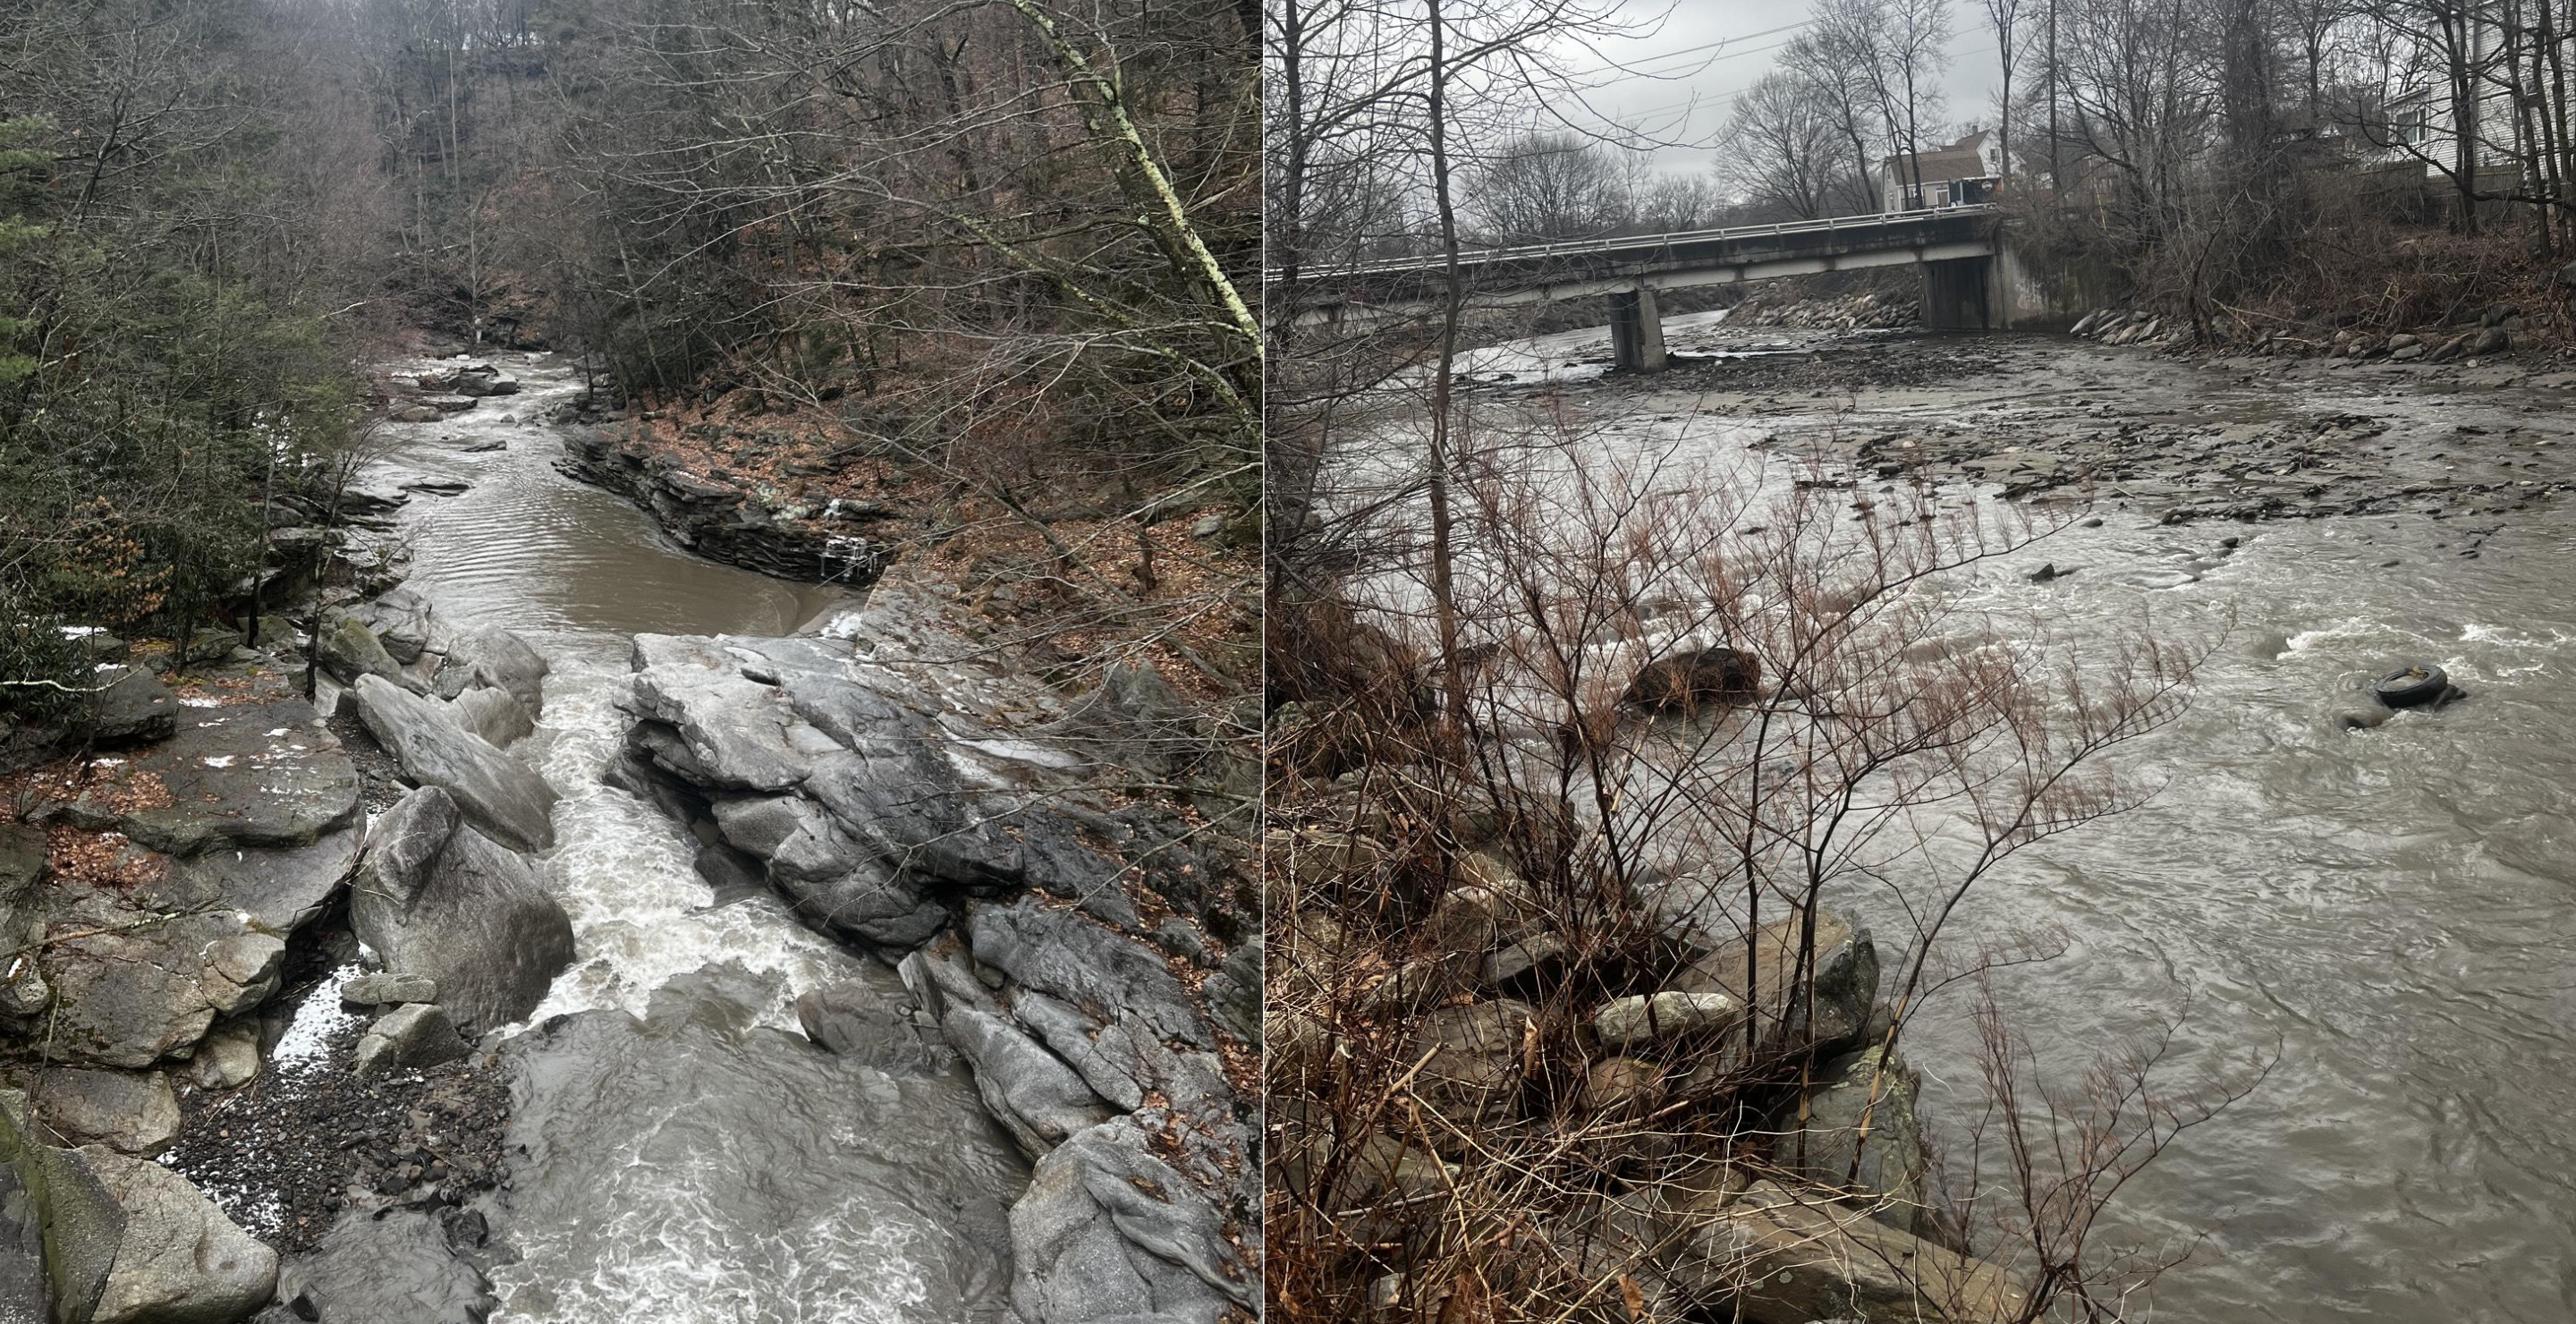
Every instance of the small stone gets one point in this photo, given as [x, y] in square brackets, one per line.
[228, 1057]
[1623, 1087]
[1663, 1016]
[388, 989]
[1534, 956]
[417, 1035]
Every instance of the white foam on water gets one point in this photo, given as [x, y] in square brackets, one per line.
[627, 874]
[677, 1257]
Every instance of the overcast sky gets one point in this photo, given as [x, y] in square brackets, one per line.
[1687, 74]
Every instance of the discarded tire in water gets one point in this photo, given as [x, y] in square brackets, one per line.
[2412, 687]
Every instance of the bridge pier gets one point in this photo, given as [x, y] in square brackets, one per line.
[1636, 331]
[1955, 295]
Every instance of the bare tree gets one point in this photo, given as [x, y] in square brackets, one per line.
[1548, 186]
[1782, 147]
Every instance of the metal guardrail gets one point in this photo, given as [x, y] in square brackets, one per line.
[1655, 242]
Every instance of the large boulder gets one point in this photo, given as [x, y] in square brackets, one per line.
[1818, 1001]
[399, 619]
[1066, 956]
[180, 1261]
[833, 876]
[436, 897]
[1698, 678]
[349, 651]
[77, 1220]
[494, 714]
[875, 811]
[148, 989]
[1781, 1254]
[872, 1019]
[488, 656]
[1857, 1130]
[135, 1112]
[1670, 1014]
[1107, 1231]
[500, 794]
[418, 1034]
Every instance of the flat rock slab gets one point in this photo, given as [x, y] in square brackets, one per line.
[502, 796]
[280, 889]
[245, 774]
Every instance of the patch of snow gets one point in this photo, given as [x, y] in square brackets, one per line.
[203, 703]
[80, 631]
[321, 1018]
[217, 760]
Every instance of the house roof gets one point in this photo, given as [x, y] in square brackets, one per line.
[1959, 160]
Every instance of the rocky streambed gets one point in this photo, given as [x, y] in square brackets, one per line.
[407, 1013]
[2379, 903]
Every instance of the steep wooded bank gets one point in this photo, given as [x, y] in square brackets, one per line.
[1000, 250]
[1000, 245]
[191, 218]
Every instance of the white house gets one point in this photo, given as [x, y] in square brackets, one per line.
[1967, 171]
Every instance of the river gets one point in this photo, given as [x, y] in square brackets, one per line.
[690, 1156]
[2391, 910]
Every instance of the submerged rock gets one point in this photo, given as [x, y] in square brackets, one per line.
[384, 1265]
[883, 1186]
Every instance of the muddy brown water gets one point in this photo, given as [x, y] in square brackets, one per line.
[2391, 910]
[689, 1155]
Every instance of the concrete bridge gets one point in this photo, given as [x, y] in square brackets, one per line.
[1971, 280]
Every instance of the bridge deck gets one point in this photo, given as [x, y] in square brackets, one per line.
[1568, 269]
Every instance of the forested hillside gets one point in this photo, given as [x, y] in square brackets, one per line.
[988, 258]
